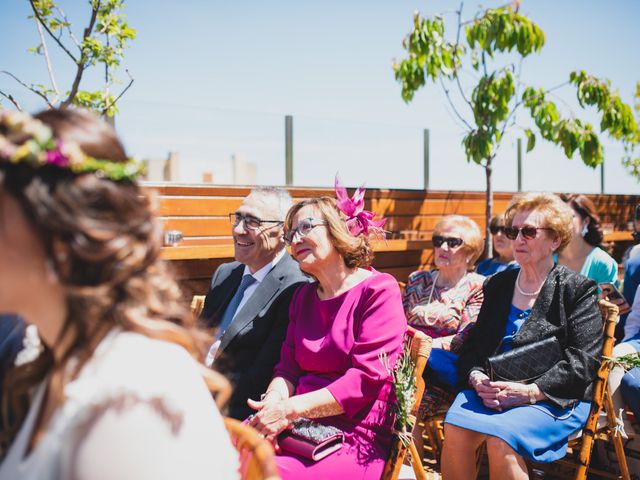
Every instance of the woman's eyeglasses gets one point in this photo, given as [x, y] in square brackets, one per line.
[302, 230]
[453, 242]
[528, 232]
[250, 223]
[495, 229]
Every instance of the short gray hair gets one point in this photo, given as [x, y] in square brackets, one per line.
[279, 196]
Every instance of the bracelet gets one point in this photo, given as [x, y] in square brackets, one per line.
[532, 395]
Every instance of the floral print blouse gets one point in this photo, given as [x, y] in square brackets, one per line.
[451, 311]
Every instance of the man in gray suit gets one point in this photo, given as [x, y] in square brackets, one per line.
[248, 303]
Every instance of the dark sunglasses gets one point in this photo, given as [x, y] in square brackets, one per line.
[453, 242]
[528, 232]
[495, 229]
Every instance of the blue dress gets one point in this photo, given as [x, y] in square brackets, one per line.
[538, 432]
[490, 266]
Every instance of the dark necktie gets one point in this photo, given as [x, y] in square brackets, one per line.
[229, 313]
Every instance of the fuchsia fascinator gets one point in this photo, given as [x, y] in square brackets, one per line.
[358, 219]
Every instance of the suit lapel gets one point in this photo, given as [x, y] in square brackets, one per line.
[260, 298]
[224, 293]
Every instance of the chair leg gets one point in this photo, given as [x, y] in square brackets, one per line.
[616, 438]
[416, 462]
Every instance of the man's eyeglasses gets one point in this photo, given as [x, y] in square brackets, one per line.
[453, 242]
[303, 229]
[250, 223]
[528, 232]
[495, 229]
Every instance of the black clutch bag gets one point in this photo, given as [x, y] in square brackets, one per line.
[525, 364]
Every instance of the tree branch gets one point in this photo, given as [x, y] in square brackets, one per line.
[37, 92]
[66, 20]
[453, 107]
[46, 27]
[115, 100]
[82, 63]
[464, 97]
[47, 60]
[10, 97]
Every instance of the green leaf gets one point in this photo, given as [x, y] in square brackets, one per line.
[531, 139]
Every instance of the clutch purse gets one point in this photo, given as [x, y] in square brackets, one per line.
[525, 364]
[311, 439]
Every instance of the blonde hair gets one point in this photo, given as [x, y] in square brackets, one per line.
[471, 234]
[355, 250]
[558, 215]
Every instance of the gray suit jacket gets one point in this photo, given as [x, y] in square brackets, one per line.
[250, 347]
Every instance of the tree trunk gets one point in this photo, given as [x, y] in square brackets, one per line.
[488, 244]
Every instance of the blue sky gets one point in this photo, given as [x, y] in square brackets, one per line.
[215, 78]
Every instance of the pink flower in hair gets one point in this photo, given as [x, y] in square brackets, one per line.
[56, 157]
[358, 220]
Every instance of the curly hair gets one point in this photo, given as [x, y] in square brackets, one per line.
[471, 232]
[355, 250]
[103, 243]
[557, 214]
[586, 209]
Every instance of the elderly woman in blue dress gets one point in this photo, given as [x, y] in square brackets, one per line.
[538, 304]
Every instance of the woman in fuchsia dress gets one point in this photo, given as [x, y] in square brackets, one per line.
[330, 368]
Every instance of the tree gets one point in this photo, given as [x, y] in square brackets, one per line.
[101, 44]
[492, 36]
[633, 164]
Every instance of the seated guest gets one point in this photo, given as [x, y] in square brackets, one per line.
[11, 339]
[502, 250]
[634, 250]
[583, 254]
[330, 368]
[444, 303]
[629, 345]
[539, 301]
[630, 389]
[248, 303]
[115, 391]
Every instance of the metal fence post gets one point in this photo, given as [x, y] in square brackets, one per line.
[288, 149]
[425, 154]
[519, 164]
[602, 178]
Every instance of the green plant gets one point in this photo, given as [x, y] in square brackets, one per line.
[404, 387]
[101, 44]
[495, 35]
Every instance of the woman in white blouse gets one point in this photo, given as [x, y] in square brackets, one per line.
[114, 390]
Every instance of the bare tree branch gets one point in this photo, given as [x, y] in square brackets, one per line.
[34, 90]
[82, 63]
[462, 94]
[58, 41]
[47, 60]
[115, 100]
[11, 98]
[66, 20]
[453, 107]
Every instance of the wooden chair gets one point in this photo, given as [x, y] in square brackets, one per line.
[581, 446]
[257, 458]
[197, 304]
[419, 347]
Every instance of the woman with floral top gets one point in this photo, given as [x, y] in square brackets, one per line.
[444, 303]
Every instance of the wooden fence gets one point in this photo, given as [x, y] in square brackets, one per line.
[201, 214]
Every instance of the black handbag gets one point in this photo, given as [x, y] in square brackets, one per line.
[525, 364]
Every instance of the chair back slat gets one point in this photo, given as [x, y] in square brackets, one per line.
[256, 455]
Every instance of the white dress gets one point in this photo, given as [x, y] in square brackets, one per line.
[138, 410]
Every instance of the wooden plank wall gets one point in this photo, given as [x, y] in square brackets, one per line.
[201, 214]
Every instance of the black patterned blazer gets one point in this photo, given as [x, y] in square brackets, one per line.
[566, 308]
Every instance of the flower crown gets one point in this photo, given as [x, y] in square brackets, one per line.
[43, 149]
[358, 219]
